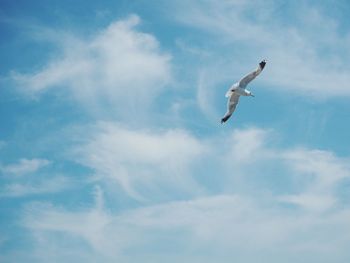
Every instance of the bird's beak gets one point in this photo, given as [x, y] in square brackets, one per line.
[252, 95]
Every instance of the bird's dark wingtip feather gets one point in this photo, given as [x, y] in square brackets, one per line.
[262, 64]
[224, 119]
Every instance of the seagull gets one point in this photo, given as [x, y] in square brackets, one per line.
[239, 89]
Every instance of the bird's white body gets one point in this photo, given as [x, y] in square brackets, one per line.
[239, 89]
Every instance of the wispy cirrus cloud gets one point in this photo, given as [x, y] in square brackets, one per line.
[24, 166]
[118, 66]
[152, 166]
[298, 62]
[250, 203]
[323, 171]
[166, 163]
[54, 184]
[181, 195]
[27, 177]
[309, 178]
[220, 226]
[142, 161]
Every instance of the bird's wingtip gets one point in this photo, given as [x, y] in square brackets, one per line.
[262, 63]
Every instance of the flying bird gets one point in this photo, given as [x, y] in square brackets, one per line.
[239, 89]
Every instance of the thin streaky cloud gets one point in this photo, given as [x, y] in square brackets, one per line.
[214, 221]
[51, 185]
[297, 62]
[113, 149]
[118, 66]
[141, 161]
[24, 166]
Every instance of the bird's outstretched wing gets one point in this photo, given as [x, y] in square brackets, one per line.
[231, 106]
[252, 75]
[232, 103]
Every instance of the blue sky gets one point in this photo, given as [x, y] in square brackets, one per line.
[111, 147]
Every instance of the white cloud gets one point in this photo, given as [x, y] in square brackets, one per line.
[231, 222]
[247, 145]
[312, 176]
[205, 93]
[36, 187]
[118, 66]
[24, 166]
[142, 161]
[216, 227]
[159, 165]
[321, 172]
[309, 201]
[26, 177]
[296, 53]
[323, 164]
[88, 224]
